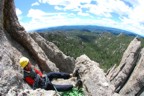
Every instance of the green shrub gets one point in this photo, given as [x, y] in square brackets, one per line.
[73, 92]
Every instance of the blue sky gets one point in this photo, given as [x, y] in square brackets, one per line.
[122, 14]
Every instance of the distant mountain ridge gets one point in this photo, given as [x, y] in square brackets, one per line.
[88, 28]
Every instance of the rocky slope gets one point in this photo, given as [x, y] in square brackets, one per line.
[15, 42]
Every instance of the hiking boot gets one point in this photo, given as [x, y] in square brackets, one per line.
[76, 73]
[79, 84]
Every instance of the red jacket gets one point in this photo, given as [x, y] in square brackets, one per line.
[30, 80]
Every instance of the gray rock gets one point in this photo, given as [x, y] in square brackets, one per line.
[121, 74]
[135, 84]
[38, 92]
[63, 62]
[11, 79]
[94, 81]
[116, 94]
[10, 71]
[110, 72]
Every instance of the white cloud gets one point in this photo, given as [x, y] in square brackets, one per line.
[106, 7]
[83, 14]
[58, 8]
[138, 13]
[68, 4]
[39, 14]
[41, 19]
[18, 11]
[135, 18]
[35, 4]
[103, 7]
[52, 2]
[36, 13]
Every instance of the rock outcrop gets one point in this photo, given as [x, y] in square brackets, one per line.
[119, 76]
[54, 54]
[127, 79]
[128, 76]
[135, 84]
[94, 81]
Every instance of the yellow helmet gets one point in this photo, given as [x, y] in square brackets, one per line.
[23, 61]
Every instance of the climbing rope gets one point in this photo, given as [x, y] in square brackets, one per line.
[47, 79]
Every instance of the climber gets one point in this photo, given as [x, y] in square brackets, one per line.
[36, 79]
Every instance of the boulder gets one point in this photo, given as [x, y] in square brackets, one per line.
[94, 81]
